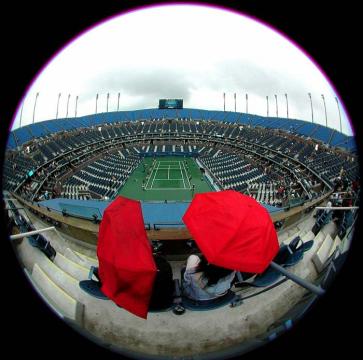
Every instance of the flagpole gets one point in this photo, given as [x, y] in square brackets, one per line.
[108, 96]
[246, 103]
[75, 111]
[235, 103]
[267, 106]
[277, 107]
[326, 116]
[340, 117]
[312, 111]
[56, 114]
[69, 95]
[96, 103]
[35, 104]
[118, 102]
[224, 101]
[287, 106]
[21, 113]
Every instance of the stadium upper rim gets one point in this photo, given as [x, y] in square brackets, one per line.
[329, 136]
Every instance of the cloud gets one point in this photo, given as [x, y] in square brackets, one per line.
[193, 53]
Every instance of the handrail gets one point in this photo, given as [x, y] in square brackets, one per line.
[337, 208]
[170, 223]
[302, 282]
[29, 233]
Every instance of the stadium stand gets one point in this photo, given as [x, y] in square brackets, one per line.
[287, 165]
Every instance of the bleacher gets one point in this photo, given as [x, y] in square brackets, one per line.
[102, 178]
[299, 127]
[56, 278]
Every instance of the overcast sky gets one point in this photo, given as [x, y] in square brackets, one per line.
[181, 51]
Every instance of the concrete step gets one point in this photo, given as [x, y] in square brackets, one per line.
[80, 260]
[336, 243]
[322, 255]
[318, 240]
[65, 281]
[283, 236]
[65, 303]
[90, 259]
[288, 235]
[330, 229]
[306, 226]
[72, 268]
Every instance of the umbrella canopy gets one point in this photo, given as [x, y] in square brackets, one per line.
[126, 266]
[232, 230]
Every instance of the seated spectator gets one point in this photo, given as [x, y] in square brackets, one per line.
[162, 295]
[204, 281]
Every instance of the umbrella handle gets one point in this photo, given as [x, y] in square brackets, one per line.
[307, 285]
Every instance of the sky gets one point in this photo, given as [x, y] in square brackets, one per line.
[190, 52]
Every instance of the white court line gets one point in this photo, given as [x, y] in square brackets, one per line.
[167, 179]
[168, 166]
[168, 172]
[169, 189]
[170, 161]
[156, 170]
[190, 186]
[181, 172]
[150, 177]
[155, 176]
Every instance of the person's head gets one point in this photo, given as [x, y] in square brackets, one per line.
[212, 273]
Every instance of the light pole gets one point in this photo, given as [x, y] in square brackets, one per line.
[246, 103]
[21, 113]
[69, 95]
[287, 106]
[267, 106]
[235, 103]
[326, 116]
[340, 117]
[96, 103]
[56, 113]
[108, 96]
[312, 111]
[277, 107]
[75, 111]
[224, 101]
[118, 102]
[35, 104]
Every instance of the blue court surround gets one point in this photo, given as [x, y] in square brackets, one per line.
[163, 214]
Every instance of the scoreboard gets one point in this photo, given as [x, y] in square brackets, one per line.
[170, 104]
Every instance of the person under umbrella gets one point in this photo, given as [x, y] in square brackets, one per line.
[127, 269]
[235, 232]
[129, 273]
[203, 281]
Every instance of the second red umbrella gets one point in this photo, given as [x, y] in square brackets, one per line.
[232, 230]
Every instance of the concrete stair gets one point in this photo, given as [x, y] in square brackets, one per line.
[90, 259]
[72, 268]
[62, 300]
[322, 254]
[306, 226]
[337, 243]
[79, 258]
[65, 281]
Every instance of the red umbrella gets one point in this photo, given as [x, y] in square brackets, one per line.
[232, 230]
[126, 266]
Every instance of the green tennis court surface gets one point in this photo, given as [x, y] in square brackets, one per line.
[165, 178]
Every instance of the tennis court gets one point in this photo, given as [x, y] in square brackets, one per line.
[165, 178]
[169, 175]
